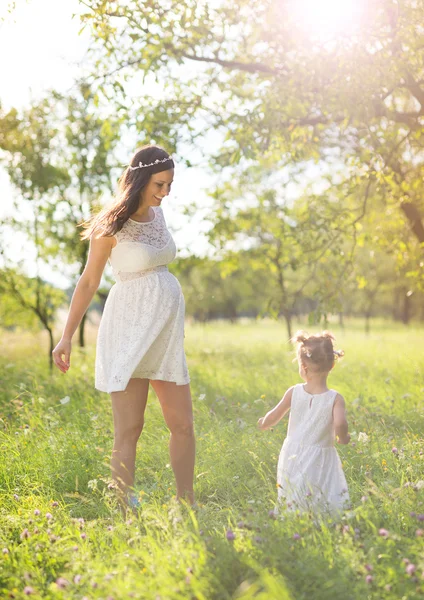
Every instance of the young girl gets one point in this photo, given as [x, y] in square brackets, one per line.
[310, 474]
[141, 334]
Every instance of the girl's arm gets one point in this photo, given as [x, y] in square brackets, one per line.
[277, 413]
[85, 289]
[340, 422]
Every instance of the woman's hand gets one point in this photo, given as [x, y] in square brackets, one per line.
[63, 349]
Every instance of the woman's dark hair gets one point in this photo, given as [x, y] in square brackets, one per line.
[316, 351]
[111, 219]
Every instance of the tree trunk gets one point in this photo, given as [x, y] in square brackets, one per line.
[82, 331]
[288, 319]
[51, 341]
[367, 322]
[406, 309]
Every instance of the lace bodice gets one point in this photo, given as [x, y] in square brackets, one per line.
[311, 418]
[142, 247]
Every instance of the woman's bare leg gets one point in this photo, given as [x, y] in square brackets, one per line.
[128, 417]
[177, 410]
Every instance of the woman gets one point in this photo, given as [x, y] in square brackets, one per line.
[141, 334]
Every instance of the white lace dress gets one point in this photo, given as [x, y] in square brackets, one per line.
[141, 333]
[310, 474]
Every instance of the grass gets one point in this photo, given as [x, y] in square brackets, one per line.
[63, 536]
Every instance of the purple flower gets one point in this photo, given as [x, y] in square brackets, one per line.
[240, 524]
[369, 578]
[410, 569]
[369, 567]
[394, 450]
[258, 539]
[412, 514]
[5, 551]
[420, 517]
[77, 579]
[25, 534]
[36, 512]
[49, 516]
[383, 532]
[28, 590]
[75, 548]
[272, 514]
[296, 536]
[55, 504]
[110, 528]
[62, 582]
[83, 536]
[230, 535]
[419, 532]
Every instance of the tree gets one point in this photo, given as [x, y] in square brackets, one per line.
[59, 155]
[275, 94]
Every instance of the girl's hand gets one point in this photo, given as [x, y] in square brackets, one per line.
[260, 423]
[345, 440]
[63, 349]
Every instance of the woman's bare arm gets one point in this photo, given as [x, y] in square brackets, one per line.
[85, 289]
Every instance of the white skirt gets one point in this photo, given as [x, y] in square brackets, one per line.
[311, 478]
[141, 333]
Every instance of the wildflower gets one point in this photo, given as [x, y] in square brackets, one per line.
[419, 532]
[36, 512]
[75, 548]
[272, 514]
[230, 535]
[394, 450]
[77, 579]
[410, 569]
[383, 532]
[55, 504]
[5, 551]
[369, 567]
[296, 536]
[28, 590]
[83, 536]
[49, 516]
[62, 582]
[369, 578]
[420, 517]
[65, 400]
[25, 534]
[364, 498]
[110, 528]
[363, 437]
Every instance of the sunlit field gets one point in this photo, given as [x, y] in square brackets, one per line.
[62, 535]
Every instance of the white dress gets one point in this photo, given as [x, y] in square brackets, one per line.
[310, 474]
[141, 332]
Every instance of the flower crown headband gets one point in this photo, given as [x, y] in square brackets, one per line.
[152, 164]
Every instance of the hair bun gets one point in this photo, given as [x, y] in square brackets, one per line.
[300, 337]
[328, 335]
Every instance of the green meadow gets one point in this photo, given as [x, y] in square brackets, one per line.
[63, 536]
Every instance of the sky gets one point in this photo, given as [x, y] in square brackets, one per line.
[44, 51]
